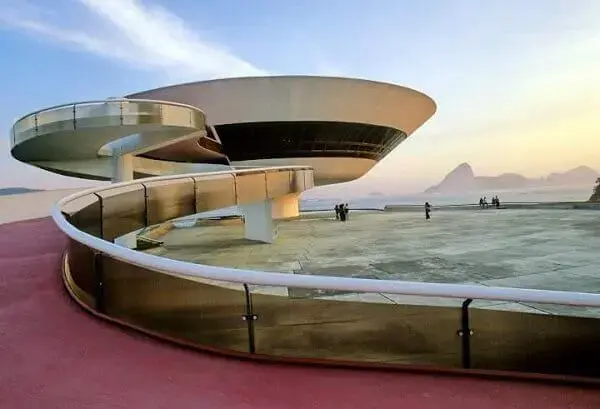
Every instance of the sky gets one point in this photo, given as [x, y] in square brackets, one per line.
[516, 83]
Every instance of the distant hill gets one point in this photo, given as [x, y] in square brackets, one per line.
[595, 197]
[16, 190]
[463, 179]
[574, 176]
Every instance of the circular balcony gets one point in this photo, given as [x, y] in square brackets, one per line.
[79, 139]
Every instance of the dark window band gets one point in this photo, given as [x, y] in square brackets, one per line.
[272, 140]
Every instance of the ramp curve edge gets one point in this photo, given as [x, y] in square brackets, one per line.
[255, 314]
[259, 314]
[84, 139]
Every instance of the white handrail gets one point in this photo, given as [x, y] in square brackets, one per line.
[362, 285]
[108, 101]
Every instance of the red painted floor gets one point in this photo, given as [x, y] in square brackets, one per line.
[53, 355]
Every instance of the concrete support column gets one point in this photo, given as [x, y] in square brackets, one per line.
[285, 207]
[258, 222]
[122, 166]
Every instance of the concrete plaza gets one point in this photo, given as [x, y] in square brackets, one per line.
[526, 248]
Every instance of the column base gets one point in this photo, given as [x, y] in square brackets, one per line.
[258, 222]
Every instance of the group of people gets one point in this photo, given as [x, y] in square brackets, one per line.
[341, 211]
[483, 203]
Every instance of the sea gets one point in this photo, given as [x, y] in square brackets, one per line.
[529, 195]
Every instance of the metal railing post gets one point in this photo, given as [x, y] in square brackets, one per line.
[101, 215]
[465, 334]
[195, 197]
[99, 282]
[249, 317]
[74, 116]
[145, 204]
[235, 190]
[266, 186]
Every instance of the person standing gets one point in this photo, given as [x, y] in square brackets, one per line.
[346, 210]
[337, 212]
[427, 211]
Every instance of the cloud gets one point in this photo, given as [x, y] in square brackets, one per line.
[137, 33]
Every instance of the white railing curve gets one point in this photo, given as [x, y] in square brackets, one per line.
[359, 285]
[110, 101]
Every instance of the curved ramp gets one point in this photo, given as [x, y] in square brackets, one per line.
[84, 139]
[54, 356]
[297, 316]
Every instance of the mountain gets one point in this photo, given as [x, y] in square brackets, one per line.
[581, 174]
[16, 190]
[463, 179]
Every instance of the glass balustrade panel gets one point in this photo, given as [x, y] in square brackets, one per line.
[533, 337]
[359, 327]
[201, 312]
